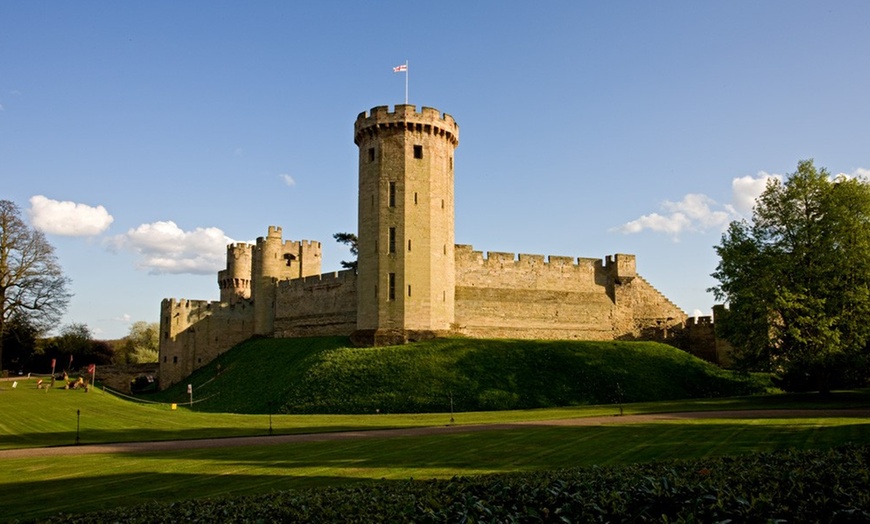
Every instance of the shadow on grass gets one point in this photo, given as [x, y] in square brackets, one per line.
[89, 483]
[115, 436]
[26, 501]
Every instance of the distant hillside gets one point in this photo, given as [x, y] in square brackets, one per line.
[325, 375]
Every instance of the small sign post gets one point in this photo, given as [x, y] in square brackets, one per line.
[190, 392]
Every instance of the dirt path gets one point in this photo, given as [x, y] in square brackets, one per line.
[170, 445]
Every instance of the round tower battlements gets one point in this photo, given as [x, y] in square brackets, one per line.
[405, 117]
[235, 280]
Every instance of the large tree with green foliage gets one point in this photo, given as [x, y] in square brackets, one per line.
[797, 280]
[141, 345]
[33, 288]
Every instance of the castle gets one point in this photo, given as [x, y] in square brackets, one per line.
[412, 281]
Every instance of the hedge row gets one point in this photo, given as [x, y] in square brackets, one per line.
[793, 486]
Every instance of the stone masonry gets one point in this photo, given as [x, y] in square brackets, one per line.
[413, 282]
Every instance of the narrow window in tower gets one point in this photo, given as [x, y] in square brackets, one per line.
[409, 245]
[418, 151]
[392, 243]
[376, 291]
[443, 296]
[371, 154]
[392, 194]
[442, 203]
[445, 249]
[451, 163]
[164, 359]
[409, 290]
[175, 360]
[391, 287]
[415, 199]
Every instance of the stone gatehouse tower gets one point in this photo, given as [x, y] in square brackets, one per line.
[413, 280]
[406, 224]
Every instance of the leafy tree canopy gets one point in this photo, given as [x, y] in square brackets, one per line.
[33, 288]
[141, 345]
[797, 280]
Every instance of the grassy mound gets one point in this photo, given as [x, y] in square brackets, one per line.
[325, 375]
[785, 486]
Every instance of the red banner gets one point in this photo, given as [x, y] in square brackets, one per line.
[92, 368]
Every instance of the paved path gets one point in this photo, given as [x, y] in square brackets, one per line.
[170, 445]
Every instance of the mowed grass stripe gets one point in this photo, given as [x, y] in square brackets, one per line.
[42, 486]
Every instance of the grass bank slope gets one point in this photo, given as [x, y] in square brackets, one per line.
[325, 375]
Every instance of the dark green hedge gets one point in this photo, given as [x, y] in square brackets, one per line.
[786, 486]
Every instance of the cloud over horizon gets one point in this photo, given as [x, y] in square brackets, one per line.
[698, 213]
[163, 248]
[67, 218]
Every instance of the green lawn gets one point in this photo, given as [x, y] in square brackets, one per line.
[31, 488]
[324, 375]
[34, 417]
[36, 487]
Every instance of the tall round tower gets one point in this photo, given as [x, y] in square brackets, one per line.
[406, 265]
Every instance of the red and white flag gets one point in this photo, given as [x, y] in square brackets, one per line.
[400, 68]
[92, 368]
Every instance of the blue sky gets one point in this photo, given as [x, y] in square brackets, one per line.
[144, 136]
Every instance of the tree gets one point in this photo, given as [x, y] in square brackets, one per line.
[350, 240]
[141, 345]
[19, 343]
[797, 280]
[33, 287]
[75, 347]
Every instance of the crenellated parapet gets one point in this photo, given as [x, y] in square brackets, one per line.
[314, 281]
[235, 281]
[497, 261]
[278, 259]
[429, 121]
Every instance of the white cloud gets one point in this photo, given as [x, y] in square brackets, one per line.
[698, 213]
[288, 180]
[857, 173]
[68, 218]
[695, 212]
[745, 190]
[164, 247]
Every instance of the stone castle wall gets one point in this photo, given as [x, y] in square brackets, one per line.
[497, 295]
[413, 281]
[503, 295]
[195, 332]
[322, 305]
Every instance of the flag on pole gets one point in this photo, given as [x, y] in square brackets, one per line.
[403, 69]
[92, 368]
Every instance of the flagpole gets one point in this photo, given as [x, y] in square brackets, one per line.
[406, 82]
